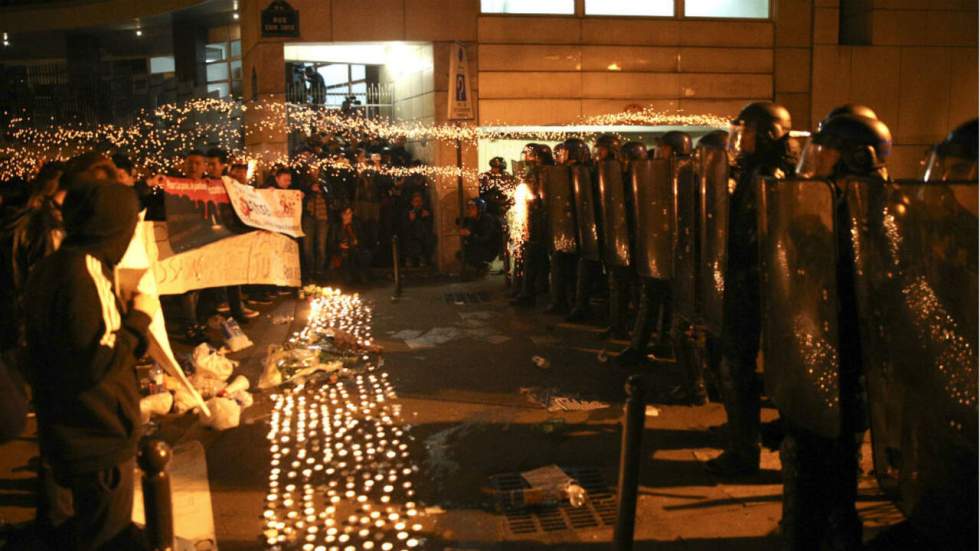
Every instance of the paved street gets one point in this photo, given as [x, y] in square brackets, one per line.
[462, 368]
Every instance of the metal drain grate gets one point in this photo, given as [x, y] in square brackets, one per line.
[599, 509]
[467, 298]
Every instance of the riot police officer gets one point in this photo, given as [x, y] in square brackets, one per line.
[573, 152]
[955, 158]
[495, 185]
[616, 206]
[759, 146]
[535, 251]
[654, 293]
[819, 472]
[590, 266]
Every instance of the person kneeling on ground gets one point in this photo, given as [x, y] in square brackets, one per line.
[481, 236]
[82, 348]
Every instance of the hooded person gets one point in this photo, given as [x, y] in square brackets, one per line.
[82, 348]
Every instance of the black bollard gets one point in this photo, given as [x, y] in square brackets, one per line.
[396, 266]
[634, 416]
[157, 501]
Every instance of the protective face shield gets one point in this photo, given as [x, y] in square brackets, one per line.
[948, 167]
[817, 161]
[741, 140]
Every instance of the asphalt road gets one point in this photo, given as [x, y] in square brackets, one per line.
[463, 371]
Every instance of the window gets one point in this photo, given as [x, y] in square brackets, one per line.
[343, 80]
[757, 9]
[649, 8]
[223, 59]
[560, 7]
[161, 65]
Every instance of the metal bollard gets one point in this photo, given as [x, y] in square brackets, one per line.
[157, 501]
[396, 266]
[634, 416]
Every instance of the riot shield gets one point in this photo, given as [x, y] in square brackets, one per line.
[800, 317]
[614, 214]
[713, 182]
[560, 203]
[686, 249]
[916, 279]
[653, 211]
[585, 214]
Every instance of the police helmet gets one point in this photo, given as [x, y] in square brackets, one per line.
[608, 142]
[849, 109]
[716, 139]
[543, 153]
[768, 121]
[578, 151]
[633, 151]
[955, 158]
[846, 145]
[679, 142]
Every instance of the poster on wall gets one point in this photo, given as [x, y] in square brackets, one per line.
[460, 99]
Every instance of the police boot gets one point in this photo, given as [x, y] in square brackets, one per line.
[803, 523]
[741, 458]
[696, 393]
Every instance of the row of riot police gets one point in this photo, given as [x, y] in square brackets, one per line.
[859, 291]
[862, 293]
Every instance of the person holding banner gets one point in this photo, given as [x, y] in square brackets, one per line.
[82, 348]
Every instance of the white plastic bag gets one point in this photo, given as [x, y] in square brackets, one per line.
[225, 414]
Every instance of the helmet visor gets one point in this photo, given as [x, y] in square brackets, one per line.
[736, 138]
[940, 168]
[817, 161]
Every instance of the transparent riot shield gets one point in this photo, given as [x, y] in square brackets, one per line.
[614, 216]
[653, 212]
[714, 191]
[686, 249]
[585, 214]
[800, 316]
[916, 278]
[560, 203]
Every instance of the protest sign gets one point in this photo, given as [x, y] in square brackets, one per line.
[198, 212]
[276, 210]
[258, 257]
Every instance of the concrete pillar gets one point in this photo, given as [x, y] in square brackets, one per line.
[190, 40]
[264, 77]
[446, 196]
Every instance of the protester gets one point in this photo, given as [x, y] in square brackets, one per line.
[315, 220]
[351, 258]
[82, 347]
[217, 162]
[481, 237]
[417, 238]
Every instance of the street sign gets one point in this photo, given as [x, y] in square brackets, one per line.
[279, 19]
[460, 100]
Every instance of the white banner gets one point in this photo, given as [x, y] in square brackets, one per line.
[276, 210]
[253, 258]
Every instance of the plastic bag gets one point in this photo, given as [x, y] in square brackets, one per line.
[155, 404]
[210, 363]
[225, 414]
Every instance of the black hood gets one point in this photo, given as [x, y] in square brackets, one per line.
[100, 218]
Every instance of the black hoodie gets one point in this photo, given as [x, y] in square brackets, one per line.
[81, 349]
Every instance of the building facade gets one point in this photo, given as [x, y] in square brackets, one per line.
[913, 61]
